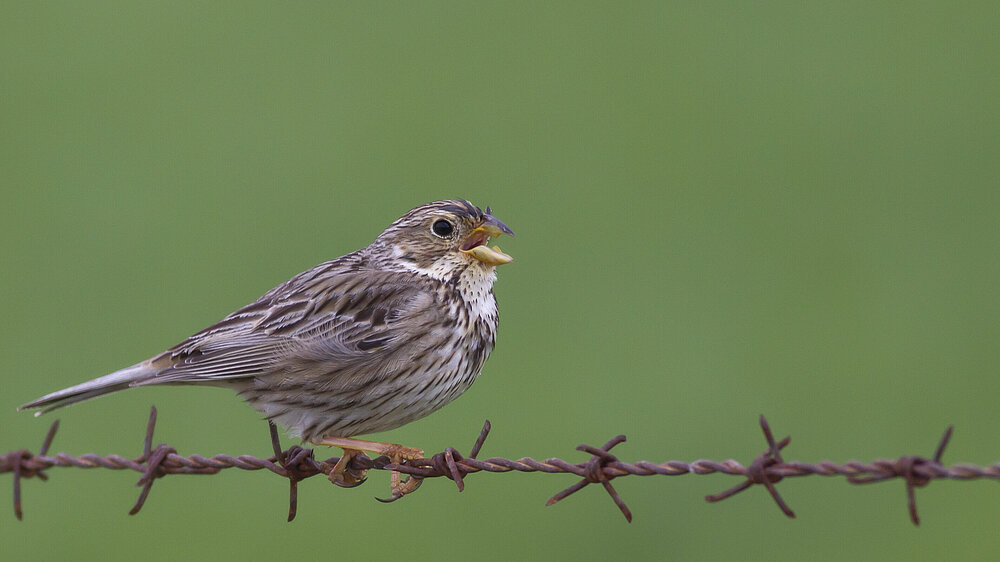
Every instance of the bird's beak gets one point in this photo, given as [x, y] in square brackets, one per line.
[475, 244]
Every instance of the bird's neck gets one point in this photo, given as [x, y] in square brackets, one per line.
[476, 285]
[473, 279]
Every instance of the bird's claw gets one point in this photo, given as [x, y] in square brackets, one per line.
[399, 486]
[348, 480]
[402, 487]
[343, 475]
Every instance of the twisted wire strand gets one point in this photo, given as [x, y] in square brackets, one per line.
[297, 463]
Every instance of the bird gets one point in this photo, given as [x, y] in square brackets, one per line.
[364, 343]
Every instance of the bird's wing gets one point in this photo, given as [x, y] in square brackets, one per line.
[342, 319]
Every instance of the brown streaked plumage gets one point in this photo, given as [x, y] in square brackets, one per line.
[367, 342]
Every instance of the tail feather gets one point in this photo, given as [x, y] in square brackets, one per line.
[119, 380]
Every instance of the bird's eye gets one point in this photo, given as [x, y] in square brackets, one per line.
[442, 228]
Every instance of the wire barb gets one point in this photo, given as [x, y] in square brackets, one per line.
[153, 458]
[594, 472]
[916, 471]
[297, 463]
[758, 472]
[19, 462]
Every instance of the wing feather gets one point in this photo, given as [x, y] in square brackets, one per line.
[340, 321]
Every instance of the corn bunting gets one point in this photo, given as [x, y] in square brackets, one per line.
[363, 343]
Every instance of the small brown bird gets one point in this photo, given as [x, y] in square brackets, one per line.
[367, 342]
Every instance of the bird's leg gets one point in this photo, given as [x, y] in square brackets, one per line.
[396, 453]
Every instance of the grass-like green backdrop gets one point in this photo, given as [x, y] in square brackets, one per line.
[722, 209]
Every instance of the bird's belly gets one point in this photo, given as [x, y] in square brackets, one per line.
[322, 411]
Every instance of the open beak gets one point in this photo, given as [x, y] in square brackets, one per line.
[475, 244]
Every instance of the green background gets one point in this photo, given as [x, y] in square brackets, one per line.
[722, 209]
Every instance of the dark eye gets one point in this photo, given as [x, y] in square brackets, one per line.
[442, 228]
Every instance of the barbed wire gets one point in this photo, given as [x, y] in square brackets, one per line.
[297, 463]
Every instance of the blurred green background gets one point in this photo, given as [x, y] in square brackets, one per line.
[722, 209]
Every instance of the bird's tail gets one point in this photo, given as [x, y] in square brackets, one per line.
[119, 380]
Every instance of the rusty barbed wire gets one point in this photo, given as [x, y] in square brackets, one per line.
[297, 463]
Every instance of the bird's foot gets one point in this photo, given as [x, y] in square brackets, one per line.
[342, 474]
[397, 455]
[399, 486]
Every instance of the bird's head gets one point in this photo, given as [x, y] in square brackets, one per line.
[445, 237]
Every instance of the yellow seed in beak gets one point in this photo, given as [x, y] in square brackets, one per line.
[490, 256]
